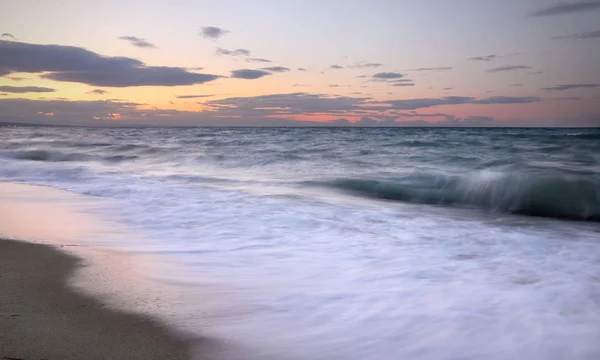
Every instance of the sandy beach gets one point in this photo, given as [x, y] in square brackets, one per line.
[41, 318]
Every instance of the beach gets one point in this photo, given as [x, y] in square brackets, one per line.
[42, 318]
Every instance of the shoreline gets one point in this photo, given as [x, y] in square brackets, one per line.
[41, 317]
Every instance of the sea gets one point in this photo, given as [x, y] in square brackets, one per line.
[350, 243]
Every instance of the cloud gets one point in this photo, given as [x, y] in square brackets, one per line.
[568, 8]
[484, 58]
[258, 60]
[25, 89]
[366, 65]
[535, 73]
[387, 75]
[506, 100]
[403, 84]
[414, 104]
[516, 85]
[97, 92]
[276, 69]
[194, 96]
[139, 42]
[579, 36]
[236, 52]
[335, 66]
[301, 69]
[509, 68]
[14, 78]
[249, 74]
[212, 32]
[337, 85]
[432, 69]
[571, 87]
[448, 88]
[74, 64]
[568, 98]
[8, 35]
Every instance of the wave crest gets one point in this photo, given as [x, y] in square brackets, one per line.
[575, 198]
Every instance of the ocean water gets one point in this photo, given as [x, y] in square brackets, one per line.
[351, 243]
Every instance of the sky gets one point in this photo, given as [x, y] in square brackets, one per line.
[300, 63]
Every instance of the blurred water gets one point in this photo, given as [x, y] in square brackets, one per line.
[353, 243]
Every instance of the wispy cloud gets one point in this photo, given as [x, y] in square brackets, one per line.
[194, 96]
[302, 69]
[276, 69]
[8, 35]
[387, 75]
[212, 32]
[403, 84]
[138, 42]
[568, 8]
[261, 60]
[366, 65]
[484, 58]
[97, 92]
[571, 87]
[579, 36]
[335, 66]
[509, 68]
[248, 74]
[236, 52]
[74, 64]
[432, 69]
[25, 89]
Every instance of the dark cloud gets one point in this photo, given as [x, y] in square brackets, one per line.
[335, 66]
[509, 68]
[506, 100]
[414, 104]
[432, 69]
[571, 87]
[301, 69]
[7, 35]
[139, 42]
[97, 92]
[212, 32]
[249, 74]
[276, 69]
[568, 98]
[14, 78]
[579, 36]
[568, 8]
[387, 75]
[366, 65]
[25, 89]
[484, 58]
[287, 104]
[194, 96]
[73, 64]
[236, 52]
[258, 60]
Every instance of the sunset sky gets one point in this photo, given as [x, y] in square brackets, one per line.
[309, 62]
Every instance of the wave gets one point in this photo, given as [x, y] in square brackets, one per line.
[574, 198]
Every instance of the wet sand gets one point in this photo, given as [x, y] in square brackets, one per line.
[42, 318]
